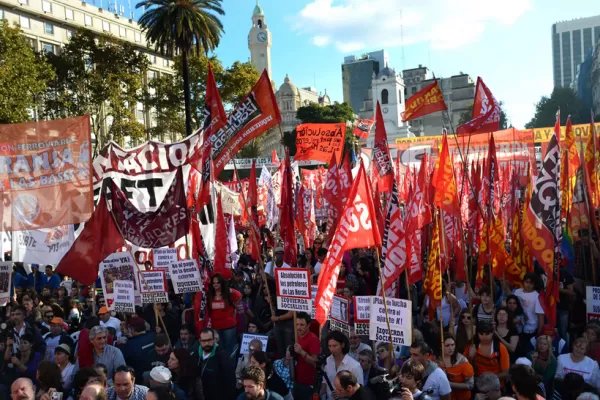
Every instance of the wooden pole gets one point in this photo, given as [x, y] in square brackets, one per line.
[384, 300]
[408, 297]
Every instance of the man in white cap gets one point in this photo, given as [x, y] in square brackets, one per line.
[161, 377]
[276, 263]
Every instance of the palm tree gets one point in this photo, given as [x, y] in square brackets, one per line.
[182, 27]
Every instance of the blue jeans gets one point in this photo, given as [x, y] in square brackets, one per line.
[227, 339]
[562, 324]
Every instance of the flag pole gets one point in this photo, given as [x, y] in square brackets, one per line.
[387, 319]
[255, 240]
[438, 216]
[591, 213]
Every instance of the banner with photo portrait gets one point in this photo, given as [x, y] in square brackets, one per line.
[118, 266]
[340, 314]
[5, 282]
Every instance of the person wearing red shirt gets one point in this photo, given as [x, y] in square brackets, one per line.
[221, 308]
[307, 350]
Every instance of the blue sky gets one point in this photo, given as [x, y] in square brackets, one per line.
[505, 42]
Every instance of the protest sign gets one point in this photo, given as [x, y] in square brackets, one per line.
[313, 294]
[340, 314]
[316, 142]
[185, 276]
[42, 246]
[118, 266]
[5, 281]
[400, 320]
[124, 296]
[247, 338]
[592, 304]
[362, 315]
[164, 257]
[293, 289]
[153, 286]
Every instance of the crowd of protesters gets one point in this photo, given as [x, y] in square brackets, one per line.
[59, 340]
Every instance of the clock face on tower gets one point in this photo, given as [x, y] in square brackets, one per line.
[262, 36]
[385, 110]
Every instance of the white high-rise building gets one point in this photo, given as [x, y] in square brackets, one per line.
[571, 41]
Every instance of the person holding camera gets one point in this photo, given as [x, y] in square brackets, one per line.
[305, 352]
[412, 374]
[25, 360]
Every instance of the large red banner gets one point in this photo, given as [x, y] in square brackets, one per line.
[45, 174]
[426, 101]
[256, 114]
[316, 142]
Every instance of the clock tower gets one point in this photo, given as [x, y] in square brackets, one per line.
[259, 42]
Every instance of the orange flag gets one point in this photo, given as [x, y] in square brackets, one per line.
[432, 285]
[426, 101]
[357, 228]
[443, 181]
[591, 165]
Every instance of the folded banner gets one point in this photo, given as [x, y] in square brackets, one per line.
[316, 142]
[45, 174]
[43, 246]
[256, 114]
[362, 128]
[426, 101]
[153, 229]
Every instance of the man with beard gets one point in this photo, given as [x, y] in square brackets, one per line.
[124, 386]
[254, 381]
[22, 389]
[216, 370]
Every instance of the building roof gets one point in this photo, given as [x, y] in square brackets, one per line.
[258, 9]
[288, 88]
[387, 71]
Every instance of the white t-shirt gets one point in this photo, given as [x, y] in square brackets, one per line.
[348, 364]
[587, 368]
[318, 268]
[531, 306]
[270, 267]
[437, 381]
[112, 323]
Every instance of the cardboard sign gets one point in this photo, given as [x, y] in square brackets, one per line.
[164, 257]
[5, 282]
[340, 310]
[118, 267]
[248, 337]
[316, 142]
[153, 286]
[362, 315]
[592, 302]
[293, 289]
[185, 276]
[313, 294]
[124, 296]
[399, 317]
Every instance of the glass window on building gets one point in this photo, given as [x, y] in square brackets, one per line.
[48, 48]
[152, 58]
[69, 14]
[122, 31]
[46, 6]
[577, 47]
[384, 96]
[414, 90]
[138, 37]
[105, 26]
[88, 20]
[69, 34]
[24, 22]
[587, 40]
[48, 28]
[151, 75]
[399, 96]
[24, 2]
[165, 62]
[1, 14]
[566, 58]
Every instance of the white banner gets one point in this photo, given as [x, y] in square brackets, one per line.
[185, 276]
[124, 296]
[153, 286]
[43, 246]
[362, 309]
[118, 266]
[293, 289]
[229, 199]
[5, 281]
[592, 302]
[247, 338]
[399, 317]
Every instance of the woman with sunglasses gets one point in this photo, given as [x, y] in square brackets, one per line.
[458, 370]
[464, 330]
[222, 305]
[388, 361]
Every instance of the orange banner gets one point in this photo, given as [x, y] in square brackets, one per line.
[45, 169]
[316, 142]
[426, 101]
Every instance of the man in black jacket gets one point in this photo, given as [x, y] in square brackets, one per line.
[216, 369]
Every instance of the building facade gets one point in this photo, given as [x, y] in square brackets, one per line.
[259, 41]
[594, 80]
[357, 74]
[49, 25]
[571, 41]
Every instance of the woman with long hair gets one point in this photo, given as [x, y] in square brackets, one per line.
[513, 304]
[221, 306]
[388, 360]
[464, 330]
[544, 363]
[506, 332]
[185, 373]
[458, 370]
[49, 377]
[487, 354]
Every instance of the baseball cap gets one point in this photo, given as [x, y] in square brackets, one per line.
[64, 348]
[57, 320]
[278, 249]
[103, 310]
[161, 374]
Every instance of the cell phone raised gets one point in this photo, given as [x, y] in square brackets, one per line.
[57, 396]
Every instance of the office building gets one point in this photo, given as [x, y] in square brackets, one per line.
[357, 74]
[571, 41]
[594, 79]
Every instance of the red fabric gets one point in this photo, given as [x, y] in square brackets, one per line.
[99, 239]
[363, 128]
[207, 167]
[486, 112]
[253, 204]
[222, 255]
[287, 230]
[426, 101]
[223, 316]
[216, 118]
[305, 373]
[381, 155]
[85, 352]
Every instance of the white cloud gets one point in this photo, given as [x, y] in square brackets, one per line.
[354, 25]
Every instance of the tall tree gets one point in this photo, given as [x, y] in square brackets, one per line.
[23, 75]
[564, 98]
[182, 27]
[102, 76]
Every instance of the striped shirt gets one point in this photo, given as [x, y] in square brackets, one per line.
[111, 357]
[139, 393]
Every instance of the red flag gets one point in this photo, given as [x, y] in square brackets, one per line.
[253, 204]
[381, 155]
[503, 265]
[207, 167]
[378, 211]
[357, 228]
[432, 284]
[443, 181]
[300, 218]
[222, 262]
[486, 112]
[426, 101]
[99, 239]
[214, 113]
[274, 158]
[287, 231]
[363, 128]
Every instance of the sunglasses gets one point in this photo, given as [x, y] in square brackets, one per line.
[467, 317]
